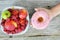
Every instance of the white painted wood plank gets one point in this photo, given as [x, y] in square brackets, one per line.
[34, 38]
[52, 29]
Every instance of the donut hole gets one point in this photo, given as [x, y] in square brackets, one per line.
[40, 19]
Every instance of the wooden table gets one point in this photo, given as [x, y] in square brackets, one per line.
[52, 32]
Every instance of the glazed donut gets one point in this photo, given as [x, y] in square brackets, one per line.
[42, 17]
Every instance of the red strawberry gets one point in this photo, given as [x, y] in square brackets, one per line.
[22, 13]
[15, 12]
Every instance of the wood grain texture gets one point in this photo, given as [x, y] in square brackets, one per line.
[34, 38]
[52, 29]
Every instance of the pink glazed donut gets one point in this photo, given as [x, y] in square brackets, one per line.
[40, 19]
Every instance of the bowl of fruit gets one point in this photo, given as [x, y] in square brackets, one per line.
[14, 20]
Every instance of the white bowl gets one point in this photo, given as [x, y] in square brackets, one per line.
[16, 7]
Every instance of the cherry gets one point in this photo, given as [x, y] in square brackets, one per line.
[22, 21]
[15, 12]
